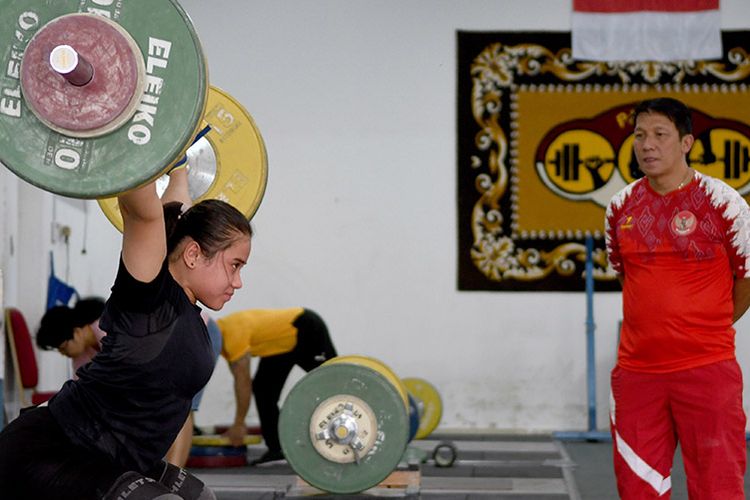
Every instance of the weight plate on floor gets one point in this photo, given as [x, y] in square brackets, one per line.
[222, 428]
[413, 417]
[228, 163]
[216, 461]
[217, 440]
[429, 403]
[307, 414]
[166, 118]
[379, 367]
[218, 451]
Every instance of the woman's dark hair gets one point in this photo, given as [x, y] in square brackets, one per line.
[213, 224]
[58, 322]
[675, 110]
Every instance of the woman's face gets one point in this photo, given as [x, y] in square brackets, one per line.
[215, 279]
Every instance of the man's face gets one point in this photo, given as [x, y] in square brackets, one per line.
[658, 146]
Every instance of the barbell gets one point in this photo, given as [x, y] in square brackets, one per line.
[345, 426]
[98, 97]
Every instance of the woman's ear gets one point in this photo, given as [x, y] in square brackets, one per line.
[191, 253]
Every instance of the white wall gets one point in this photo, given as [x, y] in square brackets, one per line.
[356, 102]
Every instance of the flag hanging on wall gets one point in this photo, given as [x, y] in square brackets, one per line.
[646, 30]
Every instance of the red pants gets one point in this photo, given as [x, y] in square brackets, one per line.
[700, 408]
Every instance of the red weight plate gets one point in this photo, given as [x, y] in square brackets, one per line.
[253, 430]
[107, 100]
[216, 461]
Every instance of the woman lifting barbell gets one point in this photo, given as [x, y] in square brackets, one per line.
[106, 433]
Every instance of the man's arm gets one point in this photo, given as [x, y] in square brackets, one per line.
[242, 390]
[741, 297]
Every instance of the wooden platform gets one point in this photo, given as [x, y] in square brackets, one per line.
[399, 483]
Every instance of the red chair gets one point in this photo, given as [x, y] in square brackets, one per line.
[23, 358]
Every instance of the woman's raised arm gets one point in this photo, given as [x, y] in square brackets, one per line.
[144, 241]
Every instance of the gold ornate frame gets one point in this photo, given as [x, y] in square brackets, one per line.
[494, 252]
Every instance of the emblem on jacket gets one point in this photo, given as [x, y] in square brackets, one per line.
[683, 223]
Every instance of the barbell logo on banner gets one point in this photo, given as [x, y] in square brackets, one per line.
[591, 159]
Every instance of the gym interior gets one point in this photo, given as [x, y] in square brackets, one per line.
[353, 108]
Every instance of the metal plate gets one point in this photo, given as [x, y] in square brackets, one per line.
[228, 163]
[217, 440]
[379, 367]
[429, 403]
[159, 132]
[332, 416]
[340, 380]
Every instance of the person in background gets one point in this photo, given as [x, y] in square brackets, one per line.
[74, 332]
[281, 338]
[679, 241]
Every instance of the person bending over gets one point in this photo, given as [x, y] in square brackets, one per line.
[281, 338]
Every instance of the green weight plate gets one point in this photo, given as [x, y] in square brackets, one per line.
[160, 129]
[317, 401]
[428, 402]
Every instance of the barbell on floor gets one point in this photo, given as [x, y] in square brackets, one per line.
[345, 426]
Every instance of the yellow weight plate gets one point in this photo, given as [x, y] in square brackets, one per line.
[379, 367]
[228, 163]
[218, 440]
[429, 403]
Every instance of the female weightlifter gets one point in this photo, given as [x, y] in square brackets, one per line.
[104, 435]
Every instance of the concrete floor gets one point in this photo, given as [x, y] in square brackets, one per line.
[595, 476]
[496, 467]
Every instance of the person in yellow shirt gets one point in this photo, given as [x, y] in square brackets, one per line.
[281, 338]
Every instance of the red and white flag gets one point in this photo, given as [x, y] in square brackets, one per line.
[646, 30]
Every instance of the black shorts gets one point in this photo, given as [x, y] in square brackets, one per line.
[37, 460]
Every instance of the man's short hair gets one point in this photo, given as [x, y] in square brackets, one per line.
[677, 112]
